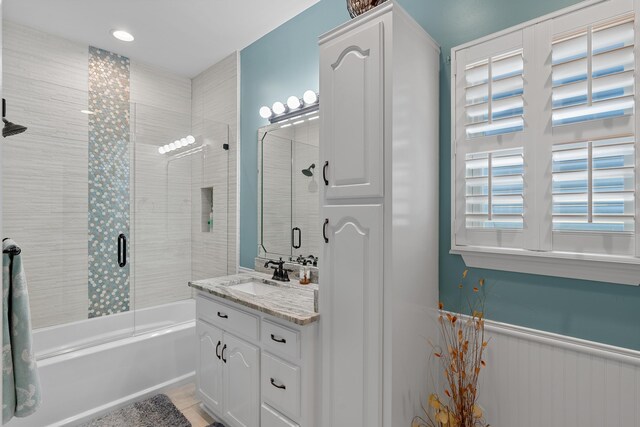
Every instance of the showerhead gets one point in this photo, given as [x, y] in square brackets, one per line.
[309, 171]
[11, 129]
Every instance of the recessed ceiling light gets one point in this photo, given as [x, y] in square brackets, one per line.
[122, 35]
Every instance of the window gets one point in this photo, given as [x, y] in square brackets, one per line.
[544, 141]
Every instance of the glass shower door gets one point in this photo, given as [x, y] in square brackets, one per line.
[180, 212]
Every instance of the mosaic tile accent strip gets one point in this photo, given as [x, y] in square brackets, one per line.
[109, 127]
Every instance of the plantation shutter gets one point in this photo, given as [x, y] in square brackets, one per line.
[491, 123]
[593, 145]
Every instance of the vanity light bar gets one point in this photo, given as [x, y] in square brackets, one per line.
[279, 112]
[177, 144]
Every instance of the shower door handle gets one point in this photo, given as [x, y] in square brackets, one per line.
[293, 238]
[122, 250]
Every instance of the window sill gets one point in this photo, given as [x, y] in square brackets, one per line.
[602, 268]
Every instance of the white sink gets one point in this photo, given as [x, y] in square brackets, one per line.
[254, 288]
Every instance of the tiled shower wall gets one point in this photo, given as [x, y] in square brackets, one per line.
[215, 99]
[109, 171]
[46, 175]
[45, 170]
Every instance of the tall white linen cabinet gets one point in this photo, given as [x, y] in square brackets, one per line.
[379, 198]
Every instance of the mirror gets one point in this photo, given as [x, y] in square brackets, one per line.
[288, 182]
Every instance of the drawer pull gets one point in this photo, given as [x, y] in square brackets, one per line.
[280, 386]
[280, 340]
[223, 316]
[217, 347]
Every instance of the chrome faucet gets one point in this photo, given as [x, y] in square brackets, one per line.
[279, 272]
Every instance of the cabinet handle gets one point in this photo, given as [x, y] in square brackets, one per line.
[217, 347]
[223, 349]
[223, 316]
[280, 386]
[280, 340]
[324, 230]
[324, 172]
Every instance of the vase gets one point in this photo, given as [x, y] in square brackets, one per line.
[358, 7]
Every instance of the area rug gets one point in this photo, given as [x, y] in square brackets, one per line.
[157, 411]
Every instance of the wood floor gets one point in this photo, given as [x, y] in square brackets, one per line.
[184, 397]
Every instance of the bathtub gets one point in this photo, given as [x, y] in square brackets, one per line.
[82, 380]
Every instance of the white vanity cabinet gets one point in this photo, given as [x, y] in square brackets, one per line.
[210, 369]
[241, 382]
[254, 369]
[379, 77]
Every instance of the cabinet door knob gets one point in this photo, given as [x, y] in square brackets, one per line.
[280, 340]
[223, 349]
[217, 347]
[324, 172]
[223, 316]
[280, 386]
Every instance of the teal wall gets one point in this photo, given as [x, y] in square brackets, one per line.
[285, 62]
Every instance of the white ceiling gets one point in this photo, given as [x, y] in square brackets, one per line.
[183, 36]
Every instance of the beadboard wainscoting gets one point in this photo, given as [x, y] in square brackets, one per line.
[536, 378]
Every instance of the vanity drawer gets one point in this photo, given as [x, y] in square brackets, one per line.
[281, 385]
[271, 418]
[282, 340]
[227, 318]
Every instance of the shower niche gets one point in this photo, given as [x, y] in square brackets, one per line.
[288, 182]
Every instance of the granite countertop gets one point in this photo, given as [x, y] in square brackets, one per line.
[291, 301]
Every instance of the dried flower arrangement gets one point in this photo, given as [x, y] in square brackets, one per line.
[461, 358]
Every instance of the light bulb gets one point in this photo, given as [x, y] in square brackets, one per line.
[293, 102]
[265, 112]
[310, 97]
[172, 146]
[278, 107]
[190, 139]
[161, 150]
[183, 142]
[166, 148]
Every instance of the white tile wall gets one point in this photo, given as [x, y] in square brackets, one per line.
[45, 169]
